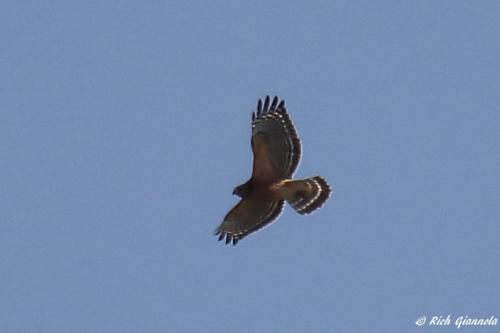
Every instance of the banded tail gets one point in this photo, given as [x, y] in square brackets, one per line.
[307, 195]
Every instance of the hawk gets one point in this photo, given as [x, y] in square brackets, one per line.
[276, 150]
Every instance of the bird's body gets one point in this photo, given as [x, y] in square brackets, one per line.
[263, 190]
[277, 152]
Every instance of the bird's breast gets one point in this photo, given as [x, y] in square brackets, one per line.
[268, 190]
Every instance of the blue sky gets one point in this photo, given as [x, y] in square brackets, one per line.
[124, 127]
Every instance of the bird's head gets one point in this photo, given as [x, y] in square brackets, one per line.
[242, 190]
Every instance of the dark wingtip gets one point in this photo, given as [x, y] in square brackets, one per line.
[281, 105]
[266, 104]
[274, 103]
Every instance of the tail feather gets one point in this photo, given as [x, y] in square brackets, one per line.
[307, 195]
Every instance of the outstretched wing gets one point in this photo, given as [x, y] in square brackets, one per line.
[246, 217]
[275, 143]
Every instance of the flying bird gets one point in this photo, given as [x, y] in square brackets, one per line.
[277, 152]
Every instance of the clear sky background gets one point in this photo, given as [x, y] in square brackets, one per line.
[125, 126]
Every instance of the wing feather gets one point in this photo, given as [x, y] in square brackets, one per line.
[247, 217]
[275, 143]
